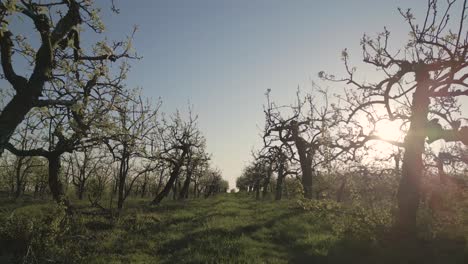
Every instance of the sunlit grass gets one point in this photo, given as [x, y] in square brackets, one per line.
[236, 228]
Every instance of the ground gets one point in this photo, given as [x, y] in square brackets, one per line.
[229, 228]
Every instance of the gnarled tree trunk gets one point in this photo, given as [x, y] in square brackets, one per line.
[56, 187]
[306, 168]
[266, 181]
[305, 160]
[185, 187]
[172, 178]
[184, 192]
[279, 182]
[412, 167]
[19, 181]
[123, 172]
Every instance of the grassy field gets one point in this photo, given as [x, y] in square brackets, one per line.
[229, 228]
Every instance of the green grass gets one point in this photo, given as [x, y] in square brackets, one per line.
[235, 228]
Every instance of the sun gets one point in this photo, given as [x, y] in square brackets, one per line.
[389, 130]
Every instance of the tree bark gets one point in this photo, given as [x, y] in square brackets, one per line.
[305, 160]
[123, 171]
[160, 182]
[195, 188]
[440, 170]
[412, 167]
[184, 192]
[81, 190]
[340, 192]
[257, 189]
[13, 114]
[144, 185]
[185, 187]
[28, 91]
[56, 187]
[172, 178]
[266, 182]
[174, 189]
[306, 168]
[279, 182]
[18, 177]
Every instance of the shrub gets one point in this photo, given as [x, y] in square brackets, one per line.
[37, 234]
[356, 222]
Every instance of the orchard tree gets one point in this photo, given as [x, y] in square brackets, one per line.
[59, 26]
[196, 160]
[92, 89]
[245, 182]
[97, 184]
[267, 160]
[304, 133]
[71, 86]
[420, 85]
[253, 175]
[84, 165]
[21, 167]
[213, 183]
[281, 159]
[176, 138]
[134, 120]
[200, 171]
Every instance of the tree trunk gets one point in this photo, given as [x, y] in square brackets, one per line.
[440, 170]
[121, 184]
[279, 182]
[80, 190]
[209, 191]
[286, 190]
[82, 177]
[188, 177]
[120, 196]
[144, 186]
[174, 175]
[305, 160]
[185, 188]
[18, 177]
[412, 167]
[143, 190]
[136, 190]
[184, 192]
[340, 192]
[195, 187]
[18, 189]
[56, 187]
[13, 114]
[115, 186]
[174, 189]
[160, 181]
[307, 174]
[266, 182]
[257, 189]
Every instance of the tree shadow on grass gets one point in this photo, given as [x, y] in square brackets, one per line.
[216, 242]
[223, 243]
[435, 251]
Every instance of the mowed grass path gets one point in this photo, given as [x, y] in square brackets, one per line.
[226, 229]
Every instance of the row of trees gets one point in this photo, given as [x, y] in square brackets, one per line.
[69, 119]
[93, 172]
[417, 86]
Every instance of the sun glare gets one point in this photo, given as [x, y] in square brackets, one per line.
[389, 130]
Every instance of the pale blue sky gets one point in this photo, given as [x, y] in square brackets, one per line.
[222, 56]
